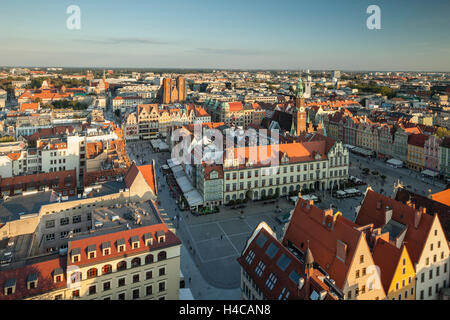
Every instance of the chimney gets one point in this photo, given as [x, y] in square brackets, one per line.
[326, 213]
[417, 218]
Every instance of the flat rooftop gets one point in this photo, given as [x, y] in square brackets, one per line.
[122, 217]
[14, 207]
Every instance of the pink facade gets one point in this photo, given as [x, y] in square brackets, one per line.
[431, 153]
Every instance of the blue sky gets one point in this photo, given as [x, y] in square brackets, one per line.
[253, 34]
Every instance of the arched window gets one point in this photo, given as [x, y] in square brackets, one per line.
[107, 269]
[136, 262]
[162, 256]
[92, 273]
[149, 259]
[122, 265]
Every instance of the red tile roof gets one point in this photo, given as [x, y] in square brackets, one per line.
[387, 257]
[112, 238]
[43, 269]
[418, 140]
[433, 206]
[323, 230]
[283, 280]
[373, 210]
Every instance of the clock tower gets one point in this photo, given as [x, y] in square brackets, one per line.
[300, 111]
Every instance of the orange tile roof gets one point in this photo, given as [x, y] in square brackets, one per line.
[235, 106]
[442, 197]
[14, 155]
[29, 106]
[147, 172]
[296, 152]
[93, 149]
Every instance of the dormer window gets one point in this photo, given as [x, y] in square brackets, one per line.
[161, 236]
[121, 245]
[134, 242]
[32, 281]
[106, 248]
[10, 287]
[76, 255]
[148, 239]
[58, 275]
[92, 251]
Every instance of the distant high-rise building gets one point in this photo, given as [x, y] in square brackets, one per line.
[171, 94]
[181, 86]
[167, 91]
[336, 74]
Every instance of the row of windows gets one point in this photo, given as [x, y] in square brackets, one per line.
[437, 288]
[430, 273]
[121, 296]
[427, 260]
[66, 220]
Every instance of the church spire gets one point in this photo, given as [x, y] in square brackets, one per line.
[299, 91]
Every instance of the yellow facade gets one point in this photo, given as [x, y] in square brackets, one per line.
[403, 284]
[415, 157]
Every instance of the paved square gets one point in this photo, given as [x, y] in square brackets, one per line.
[239, 241]
[215, 249]
[235, 226]
[205, 231]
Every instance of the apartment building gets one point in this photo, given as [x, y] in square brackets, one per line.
[431, 153]
[421, 233]
[234, 113]
[142, 263]
[316, 165]
[130, 127]
[147, 118]
[108, 243]
[416, 151]
[444, 158]
[123, 102]
[153, 121]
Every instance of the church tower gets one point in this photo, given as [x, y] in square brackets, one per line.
[300, 110]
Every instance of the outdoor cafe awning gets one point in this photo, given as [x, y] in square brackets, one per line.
[430, 173]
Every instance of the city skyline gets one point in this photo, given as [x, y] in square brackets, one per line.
[290, 35]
